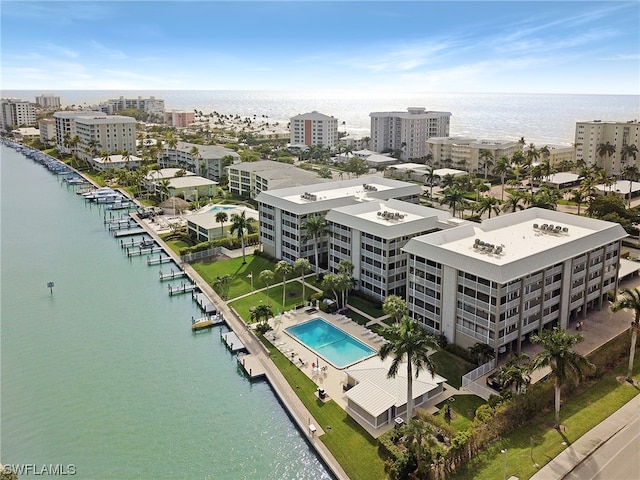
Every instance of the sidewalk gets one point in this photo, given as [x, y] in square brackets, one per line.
[589, 443]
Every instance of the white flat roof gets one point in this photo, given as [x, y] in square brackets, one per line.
[117, 159]
[192, 181]
[523, 248]
[441, 172]
[562, 177]
[324, 196]
[390, 219]
[620, 186]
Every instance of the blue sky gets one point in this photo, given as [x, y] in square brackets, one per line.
[381, 46]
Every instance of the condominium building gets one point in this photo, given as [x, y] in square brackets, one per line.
[465, 153]
[151, 105]
[283, 212]
[590, 135]
[48, 101]
[510, 276]
[179, 119]
[16, 113]
[371, 235]
[47, 127]
[105, 133]
[66, 126]
[407, 132]
[314, 129]
[248, 179]
[208, 161]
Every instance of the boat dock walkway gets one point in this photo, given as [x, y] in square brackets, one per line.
[171, 275]
[203, 302]
[128, 233]
[233, 341]
[143, 251]
[252, 365]
[182, 288]
[159, 260]
[299, 413]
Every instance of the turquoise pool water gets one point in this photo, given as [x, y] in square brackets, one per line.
[331, 343]
[221, 208]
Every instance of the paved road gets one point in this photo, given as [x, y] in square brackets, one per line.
[609, 451]
[616, 459]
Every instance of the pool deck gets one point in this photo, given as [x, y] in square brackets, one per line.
[329, 378]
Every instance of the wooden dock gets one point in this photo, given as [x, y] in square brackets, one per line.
[159, 260]
[143, 242]
[252, 365]
[171, 275]
[143, 251]
[233, 342]
[182, 288]
[203, 302]
[128, 233]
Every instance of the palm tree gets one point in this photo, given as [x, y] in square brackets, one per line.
[605, 150]
[163, 187]
[630, 300]
[395, 307]
[482, 352]
[283, 268]
[629, 150]
[267, 276]
[240, 224]
[430, 178]
[516, 371]
[489, 205]
[630, 172]
[261, 312]
[487, 160]
[418, 433]
[501, 168]
[410, 343]
[558, 354]
[513, 202]
[578, 197]
[315, 226]
[448, 181]
[222, 217]
[302, 266]
[454, 198]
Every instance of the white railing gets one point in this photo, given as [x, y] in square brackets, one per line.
[480, 390]
[478, 372]
[193, 257]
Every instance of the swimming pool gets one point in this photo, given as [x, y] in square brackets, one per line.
[329, 342]
[221, 208]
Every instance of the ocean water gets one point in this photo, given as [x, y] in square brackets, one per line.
[543, 119]
[105, 374]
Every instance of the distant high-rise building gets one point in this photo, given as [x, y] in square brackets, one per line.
[48, 101]
[314, 129]
[466, 153]
[591, 135]
[407, 132]
[151, 105]
[179, 119]
[16, 113]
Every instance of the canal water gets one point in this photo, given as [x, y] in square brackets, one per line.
[105, 374]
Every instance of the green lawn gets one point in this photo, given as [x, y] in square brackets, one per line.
[293, 297]
[350, 444]
[579, 415]
[240, 283]
[463, 407]
[367, 306]
[451, 367]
